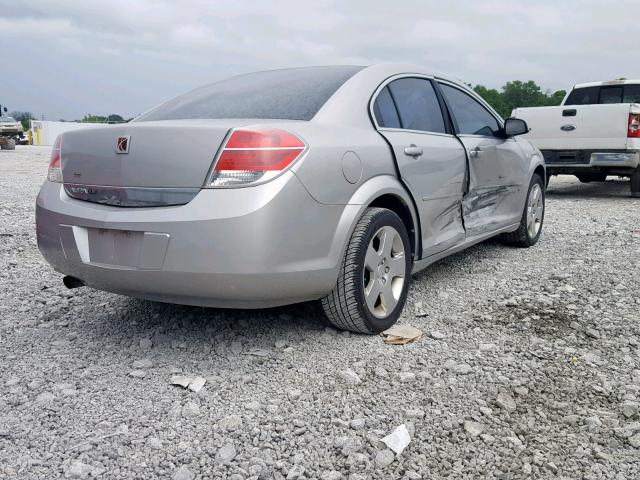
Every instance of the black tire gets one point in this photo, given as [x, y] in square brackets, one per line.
[635, 183]
[521, 237]
[592, 177]
[346, 307]
[10, 144]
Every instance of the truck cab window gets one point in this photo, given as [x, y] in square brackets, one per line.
[583, 96]
[631, 93]
[611, 94]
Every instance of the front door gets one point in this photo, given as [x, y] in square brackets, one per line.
[430, 159]
[496, 168]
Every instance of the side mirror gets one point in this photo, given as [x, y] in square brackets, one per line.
[515, 126]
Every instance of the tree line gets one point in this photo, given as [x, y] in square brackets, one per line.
[26, 117]
[518, 94]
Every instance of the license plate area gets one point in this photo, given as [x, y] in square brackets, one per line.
[566, 157]
[114, 247]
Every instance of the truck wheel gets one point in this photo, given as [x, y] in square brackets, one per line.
[374, 277]
[532, 219]
[592, 177]
[635, 183]
[10, 144]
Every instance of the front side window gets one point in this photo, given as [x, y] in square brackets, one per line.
[418, 106]
[472, 118]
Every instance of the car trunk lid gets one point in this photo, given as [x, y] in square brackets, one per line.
[164, 154]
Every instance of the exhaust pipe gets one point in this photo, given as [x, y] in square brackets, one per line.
[72, 282]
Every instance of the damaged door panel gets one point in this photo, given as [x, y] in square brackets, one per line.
[495, 180]
[436, 181]
[495, 166]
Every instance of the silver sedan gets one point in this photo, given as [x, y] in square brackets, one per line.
[324, 183]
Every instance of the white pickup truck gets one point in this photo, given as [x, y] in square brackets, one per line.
[595, 132]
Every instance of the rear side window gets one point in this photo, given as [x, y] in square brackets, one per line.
[471, 117]
[583, 96]
[385, 110]
[611, 94]
[417, 104]
[291, 94]
[631, 94]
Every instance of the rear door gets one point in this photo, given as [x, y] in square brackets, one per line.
[497, 166]
[431, 161]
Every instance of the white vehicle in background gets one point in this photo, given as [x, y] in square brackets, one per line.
[10, 132]
[595, 132]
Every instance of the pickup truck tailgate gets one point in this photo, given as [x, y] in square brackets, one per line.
[578, 127]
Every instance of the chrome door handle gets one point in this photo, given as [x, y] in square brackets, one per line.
[475, 152]
[413, 151]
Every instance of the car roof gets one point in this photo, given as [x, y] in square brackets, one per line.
[358, 90]
[606, 83]
[386, 69]
[393, 69]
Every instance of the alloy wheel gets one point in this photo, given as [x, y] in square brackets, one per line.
[535, 210]
[384, 271]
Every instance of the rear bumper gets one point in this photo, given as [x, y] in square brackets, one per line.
[245, 247]
[564, 160]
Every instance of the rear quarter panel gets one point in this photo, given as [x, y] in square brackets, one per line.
[340, 159]
[348, 166]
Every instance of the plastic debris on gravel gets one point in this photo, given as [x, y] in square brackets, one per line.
[398, 440]
[194, 384]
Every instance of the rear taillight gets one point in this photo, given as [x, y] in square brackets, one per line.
[634, 125]
[55, 169]
[252, 155]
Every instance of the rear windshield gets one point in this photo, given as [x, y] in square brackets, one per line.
[629, 93]
[291, 94]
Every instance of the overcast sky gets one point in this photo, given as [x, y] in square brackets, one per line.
[66, 58]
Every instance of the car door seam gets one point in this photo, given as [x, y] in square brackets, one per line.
[453, 125]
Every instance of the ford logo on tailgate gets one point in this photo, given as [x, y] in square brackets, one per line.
[568, 128]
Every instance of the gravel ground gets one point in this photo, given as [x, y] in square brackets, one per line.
[529, 366]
